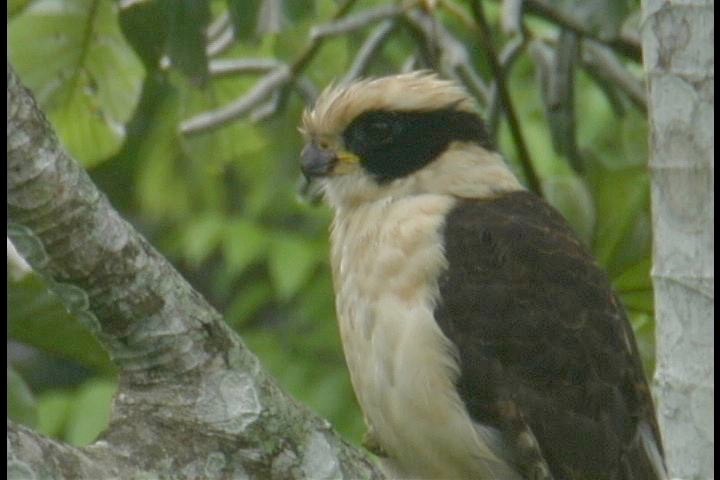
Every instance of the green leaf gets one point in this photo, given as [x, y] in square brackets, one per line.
[90, 411]
[326, 394]
[639, 301]
[291, 261]
[244, 18]
[144, 27]
[571, 197]
[202, 236]
[243, 243]
[247, 302]
[644, 328]
[621, 198]
[73, 56]
[229, 142]
[296, 10]
[635, 278]
[186, 23]
[604, 17]
[16, 6]
[22, 406]
[161, 190]
[53, 411]
[38, 318]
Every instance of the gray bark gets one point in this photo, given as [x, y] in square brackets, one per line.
[192, 402]
[679, 62]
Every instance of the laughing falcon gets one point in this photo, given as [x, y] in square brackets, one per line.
[483, 340]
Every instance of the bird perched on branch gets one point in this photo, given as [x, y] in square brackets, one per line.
[483, 340]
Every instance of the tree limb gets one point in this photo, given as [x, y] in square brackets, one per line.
[192, 400]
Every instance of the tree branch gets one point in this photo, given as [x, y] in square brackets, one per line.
[191, 396]
[623, 44]
[499, 76]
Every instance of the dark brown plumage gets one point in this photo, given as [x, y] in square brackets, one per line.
[545, 349]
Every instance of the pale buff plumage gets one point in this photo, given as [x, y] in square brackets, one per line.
[386, 257]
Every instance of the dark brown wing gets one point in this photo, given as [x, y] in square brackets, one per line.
[546, 351]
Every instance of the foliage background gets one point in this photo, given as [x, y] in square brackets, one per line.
[117, 79]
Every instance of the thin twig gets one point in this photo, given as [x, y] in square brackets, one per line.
[309, 52]
[369, 49]
[267, 109]
[511, 17]
[356, 22]
[473, 83]
[498, 74]
[307, 89]
[454, 59]
[239, 108]
[458, 12]
[218, 26]
[603, 64]
[410, 64]
[222, 43]
[509, 54]
[230, 67]
[627, 45]
[279, 77]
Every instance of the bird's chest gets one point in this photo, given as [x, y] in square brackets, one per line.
[386, 261]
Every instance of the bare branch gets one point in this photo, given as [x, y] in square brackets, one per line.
[267, 109]
[191, 396]
[498, 74]
[307, 89]
[231, 67]
[454, 59]
[369, 49]
[222, 43]
[625, 44]
[509, 54]
[277, 78]
[600, 62]
[512, 16]
[356, 22]
[240, 107]
[218, 26]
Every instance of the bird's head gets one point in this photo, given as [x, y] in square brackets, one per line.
[401, 135]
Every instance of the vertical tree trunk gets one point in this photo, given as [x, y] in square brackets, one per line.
[679, 61]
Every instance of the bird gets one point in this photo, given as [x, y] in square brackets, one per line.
[482, 339]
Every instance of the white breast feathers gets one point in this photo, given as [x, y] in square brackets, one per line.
[387, 256]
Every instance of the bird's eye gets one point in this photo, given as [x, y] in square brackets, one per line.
[380, 132]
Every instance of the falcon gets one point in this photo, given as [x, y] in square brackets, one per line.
[482, 338]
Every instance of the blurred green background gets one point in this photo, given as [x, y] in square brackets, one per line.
[117, 79]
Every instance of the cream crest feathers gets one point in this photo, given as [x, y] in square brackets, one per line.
[465, 170]
[339, 105]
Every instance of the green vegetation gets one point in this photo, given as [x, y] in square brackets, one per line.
[118, 80]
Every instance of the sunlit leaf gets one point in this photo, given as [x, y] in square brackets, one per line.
[186, 23]
[144, 28]
[635, 278]
[604, 17]
[38, 318]
[291, 261]
[53, 411]
[621, 196]
[201, 237]
[243, 243]
[73, 56]
[90, 411]
[244, 18]
[571, 197]
[22, 406]
[247, 301]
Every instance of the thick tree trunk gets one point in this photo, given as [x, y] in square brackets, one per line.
[679, 61]
[192, 402]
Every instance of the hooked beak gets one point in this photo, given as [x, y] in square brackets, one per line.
[316, 161]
